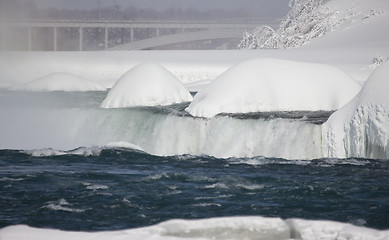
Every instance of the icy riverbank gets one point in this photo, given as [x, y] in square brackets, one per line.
[248, 228]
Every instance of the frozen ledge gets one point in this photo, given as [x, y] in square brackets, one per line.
[215, 228]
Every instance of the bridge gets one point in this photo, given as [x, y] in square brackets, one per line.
[160, 33]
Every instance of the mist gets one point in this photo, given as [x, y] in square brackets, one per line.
[41, 39]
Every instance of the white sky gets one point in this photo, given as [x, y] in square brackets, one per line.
[270, 7]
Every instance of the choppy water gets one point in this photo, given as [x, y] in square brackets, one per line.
[120, 188]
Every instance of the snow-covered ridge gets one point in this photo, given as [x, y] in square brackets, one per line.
[263, 85]
[59, 81]
[227, 228]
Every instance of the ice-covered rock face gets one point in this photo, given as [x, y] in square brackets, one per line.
[263, 85]
[59, 81]
[146, 84]
[361, 128]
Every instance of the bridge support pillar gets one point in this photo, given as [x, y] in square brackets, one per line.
[132, 34]
[106, 39]
[157, 32]
[80, 31]
[55, 38]
[29, 44]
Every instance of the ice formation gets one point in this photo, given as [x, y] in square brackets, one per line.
[262, 85]
[147, 84]
[59, 81]
[258, 228]
[361, 128]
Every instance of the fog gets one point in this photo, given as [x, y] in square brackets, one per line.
[124, 10]
[230, 8]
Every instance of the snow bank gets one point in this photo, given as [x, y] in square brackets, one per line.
[248, 228]
[330, 230]
[361, 128]
[59, 81]
[262, 85]
[146, 84]
[258, 228]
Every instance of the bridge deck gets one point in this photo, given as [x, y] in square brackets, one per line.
[201, 30]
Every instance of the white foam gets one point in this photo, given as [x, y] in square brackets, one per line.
[157, 176]
[95, 187]
[146, 84]
[82, 151]
[263, 85]
[62, 205]
[251, 187]
[216, 185]
[207, 205]
[122, 144]
[59, 81]
[7, 179]
[47, 152]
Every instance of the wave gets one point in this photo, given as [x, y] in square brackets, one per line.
[83, 151]
[62, 205]
[250, 227]
[94, 187]
[128, 148]
[48, 152]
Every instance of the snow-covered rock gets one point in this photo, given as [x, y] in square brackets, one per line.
[262, 85]
[147, 84]
[59, 81]
[361, 128]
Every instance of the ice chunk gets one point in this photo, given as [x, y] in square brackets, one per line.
[146, 84]
[330, 230]
[59, 81]
[227, 228]
[262, 85]
[361, 128]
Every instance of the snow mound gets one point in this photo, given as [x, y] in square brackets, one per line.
[249, 228]
[263, 85]
[147, 84]
[59, 81]
[361, 128]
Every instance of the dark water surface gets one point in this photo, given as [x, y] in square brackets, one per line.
[120, 189]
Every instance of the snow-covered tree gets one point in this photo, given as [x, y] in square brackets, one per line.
[377, 61]
[306, 20]
[257, 39]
